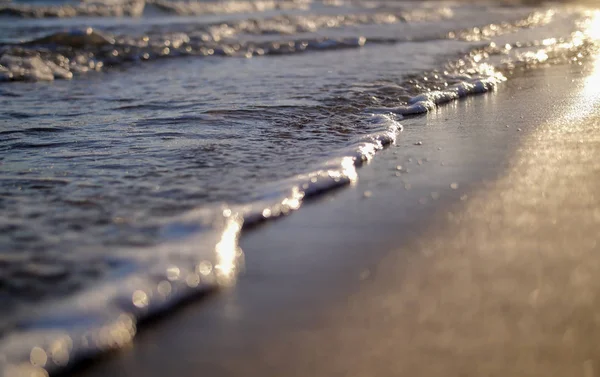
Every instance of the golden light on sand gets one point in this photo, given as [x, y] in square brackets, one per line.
[589, 97]
[585, 103]
[591, 86]
[593, 25]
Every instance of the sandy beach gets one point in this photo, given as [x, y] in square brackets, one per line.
[480, 260]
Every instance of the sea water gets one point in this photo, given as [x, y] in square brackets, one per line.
[139, 138]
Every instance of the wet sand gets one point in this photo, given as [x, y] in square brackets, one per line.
[468, 249]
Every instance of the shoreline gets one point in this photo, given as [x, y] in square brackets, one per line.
[328, 283]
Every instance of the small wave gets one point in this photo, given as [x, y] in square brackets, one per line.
[199, 253]
[470, 76]
[66, 54]
[130, 8]
[135, 8]
[294, 24]
[74, 38]
[23, 64]
[25, 145]
[429, 101]
[196, 8]
[486, 32]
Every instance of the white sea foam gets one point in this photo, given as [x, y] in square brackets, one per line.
[30, 68]
[427, 102]
[199, 253]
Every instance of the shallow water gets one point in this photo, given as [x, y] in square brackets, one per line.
[133, 150]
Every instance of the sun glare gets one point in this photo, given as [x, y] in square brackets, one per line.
[593, 25]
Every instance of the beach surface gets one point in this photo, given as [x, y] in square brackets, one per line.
[469, 248]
